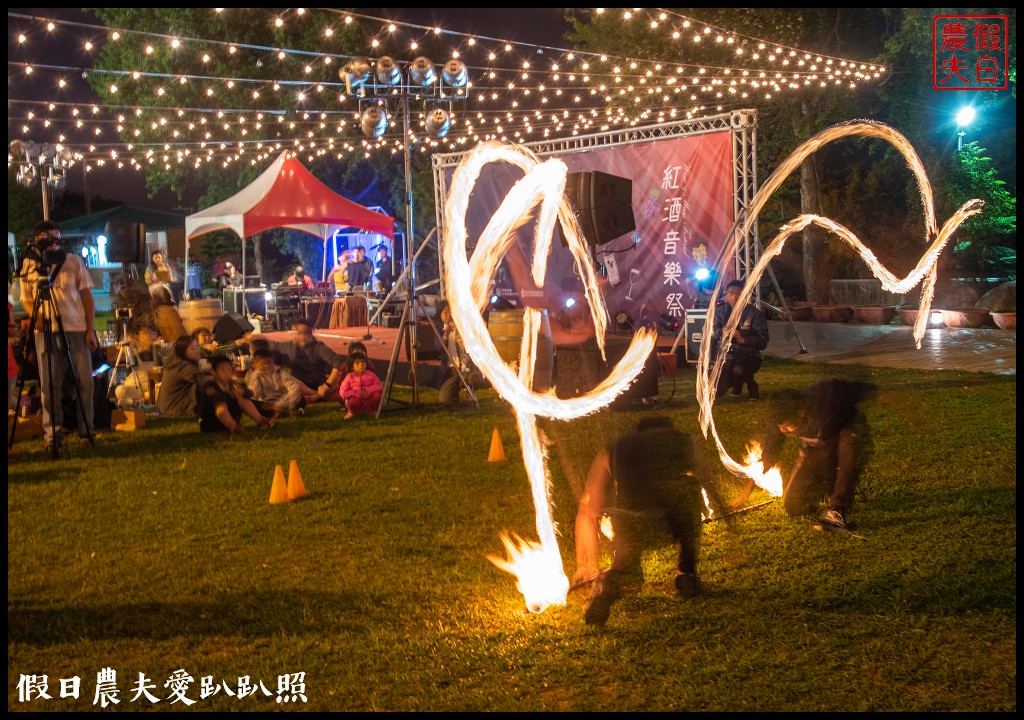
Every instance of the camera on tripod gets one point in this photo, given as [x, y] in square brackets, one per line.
[46, 250]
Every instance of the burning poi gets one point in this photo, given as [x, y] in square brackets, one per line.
[925, 272]
[538, 566]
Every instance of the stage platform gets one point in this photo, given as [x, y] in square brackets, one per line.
[576, 365]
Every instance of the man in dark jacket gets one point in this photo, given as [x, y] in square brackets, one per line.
[748, 340]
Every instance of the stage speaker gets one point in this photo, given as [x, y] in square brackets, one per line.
[579, 368]
[126, 242]
[231, 327]
[603, 204]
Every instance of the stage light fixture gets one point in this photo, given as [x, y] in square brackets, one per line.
[570, 301]
[438, 122]
[56, 180]
[374, 121]
[16, 149]
[455, 73]
[702, 274]
[668, 324]
[27, 176]
[356, 71]
[388, 73]
[422, 72]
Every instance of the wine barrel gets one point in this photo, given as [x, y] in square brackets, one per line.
[506, 330]
[200, 313]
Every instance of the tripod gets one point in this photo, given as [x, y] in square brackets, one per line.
[407, 331]
[127, 357]
[53, 342]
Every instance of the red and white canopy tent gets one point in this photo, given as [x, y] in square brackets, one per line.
[285, 195]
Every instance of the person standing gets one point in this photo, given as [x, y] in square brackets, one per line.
[749, 338]
[158, 270]
[71, 292]
[385, 275]
[300, 279]
[360, 271]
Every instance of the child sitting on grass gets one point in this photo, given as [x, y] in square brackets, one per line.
[222, 400]
[274, 391]
[361, 389]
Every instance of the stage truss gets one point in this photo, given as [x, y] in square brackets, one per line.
[741, 124]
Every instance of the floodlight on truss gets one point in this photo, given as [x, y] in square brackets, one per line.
[387, 71]
[422, 72]
[374, 121]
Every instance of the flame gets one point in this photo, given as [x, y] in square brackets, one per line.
[709, 512]
[925, 272]
[753, 467]
[468, 282]
[538, 571]
[606, 527]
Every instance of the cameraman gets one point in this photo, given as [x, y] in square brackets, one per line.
[47, 262]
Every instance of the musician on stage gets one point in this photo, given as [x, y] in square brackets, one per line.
[360, 271]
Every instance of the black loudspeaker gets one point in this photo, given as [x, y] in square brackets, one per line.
[603, 204]
[231, 327]
[579, 368]
[126, 242]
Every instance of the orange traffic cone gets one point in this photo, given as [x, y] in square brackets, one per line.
[278, 491]
[296, 488]
[497, 453]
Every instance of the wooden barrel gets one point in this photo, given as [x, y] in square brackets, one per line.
[506, 330]
[200, 313]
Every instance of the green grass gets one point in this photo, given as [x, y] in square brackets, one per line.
[158, 550]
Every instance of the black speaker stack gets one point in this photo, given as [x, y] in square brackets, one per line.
[126, 242]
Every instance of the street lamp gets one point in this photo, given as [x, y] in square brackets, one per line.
[963, 118]
[47, 162]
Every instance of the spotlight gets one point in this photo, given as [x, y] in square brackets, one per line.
[421, 72]
[356, 71]
[702, 274]
[936, 319]
[16, 148]
[374, 121]
[570, 301]
[56, 181]
[455, 73]
[27, 176]
[500, 303]
[705, 282]
[388, 73]
[965, 117]
[438, 122]
[49, 152]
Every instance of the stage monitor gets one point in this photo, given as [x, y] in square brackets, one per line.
[253, 281]
[603, 205]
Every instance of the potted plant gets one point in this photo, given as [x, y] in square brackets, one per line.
[832, 313]
[874, 314]
[966, 317]
[1005, 319]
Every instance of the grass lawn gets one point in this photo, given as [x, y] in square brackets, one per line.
[158, 551]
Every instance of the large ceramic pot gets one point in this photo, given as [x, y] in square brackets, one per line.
[908, 316]
[832, 313]
[800, 311]
[966, 317]
[1005, 320]
[874, 314]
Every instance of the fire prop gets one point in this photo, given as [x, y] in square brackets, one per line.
[753, 468]
[925, 272]
[538, 566]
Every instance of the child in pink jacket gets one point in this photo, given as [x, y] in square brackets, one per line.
[361, 389]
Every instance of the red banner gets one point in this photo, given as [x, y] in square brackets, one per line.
[683, 208]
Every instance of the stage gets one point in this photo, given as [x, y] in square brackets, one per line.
[575, 365]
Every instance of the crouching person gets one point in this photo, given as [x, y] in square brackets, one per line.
[361, 389]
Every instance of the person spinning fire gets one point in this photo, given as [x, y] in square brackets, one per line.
[647, 481]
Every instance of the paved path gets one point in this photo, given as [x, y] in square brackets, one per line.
[978, 350]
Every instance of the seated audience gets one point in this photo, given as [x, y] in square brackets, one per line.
[222, 400]
[208, 345]
[274, 391]
[179, 384]
[361, 389]
[310, 361]
[168, 321]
